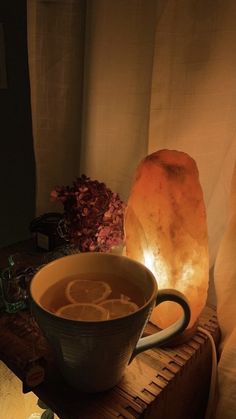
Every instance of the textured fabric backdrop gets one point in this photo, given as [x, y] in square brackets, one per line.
[142, 76]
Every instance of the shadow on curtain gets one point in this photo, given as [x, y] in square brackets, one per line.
[56, 60]
[17, 168]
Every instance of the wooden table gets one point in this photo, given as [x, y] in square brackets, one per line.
[164, 383]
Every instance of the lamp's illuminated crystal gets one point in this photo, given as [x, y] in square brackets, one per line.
[166, 229]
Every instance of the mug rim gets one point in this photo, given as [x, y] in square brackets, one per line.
[96, 322]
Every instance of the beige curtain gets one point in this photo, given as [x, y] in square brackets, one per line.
[193, 96]
[114, 80]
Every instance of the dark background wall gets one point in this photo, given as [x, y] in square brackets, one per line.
[17, 165]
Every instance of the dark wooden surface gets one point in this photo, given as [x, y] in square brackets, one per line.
[164, 383]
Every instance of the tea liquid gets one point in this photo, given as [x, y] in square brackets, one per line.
[55, 296]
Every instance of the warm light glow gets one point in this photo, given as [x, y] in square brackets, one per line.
[149, 260]
[156, 266]
[165, 227]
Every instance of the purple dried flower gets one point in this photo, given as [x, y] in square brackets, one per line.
[93, 214]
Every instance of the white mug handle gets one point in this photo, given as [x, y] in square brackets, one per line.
[162, 337]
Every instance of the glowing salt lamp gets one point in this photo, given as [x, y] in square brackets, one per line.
[166, 229]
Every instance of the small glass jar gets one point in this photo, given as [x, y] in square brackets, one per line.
[14, 285]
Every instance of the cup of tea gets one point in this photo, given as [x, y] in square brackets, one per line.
[93, 308]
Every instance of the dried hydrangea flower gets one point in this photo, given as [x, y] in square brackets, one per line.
[93, 215]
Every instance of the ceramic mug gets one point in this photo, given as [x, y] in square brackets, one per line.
[93, 355]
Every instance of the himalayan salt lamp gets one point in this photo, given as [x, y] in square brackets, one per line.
[166, 229]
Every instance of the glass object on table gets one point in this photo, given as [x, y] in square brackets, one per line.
[14, 282]
[16, 277]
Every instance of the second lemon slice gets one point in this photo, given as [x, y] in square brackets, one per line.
[80, 311]
[87, 291]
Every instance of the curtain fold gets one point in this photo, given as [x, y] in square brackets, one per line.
[56, 63]
[118, 72]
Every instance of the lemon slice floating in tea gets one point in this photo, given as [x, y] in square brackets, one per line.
[118, 307]
[83, 311]
[87, 291]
